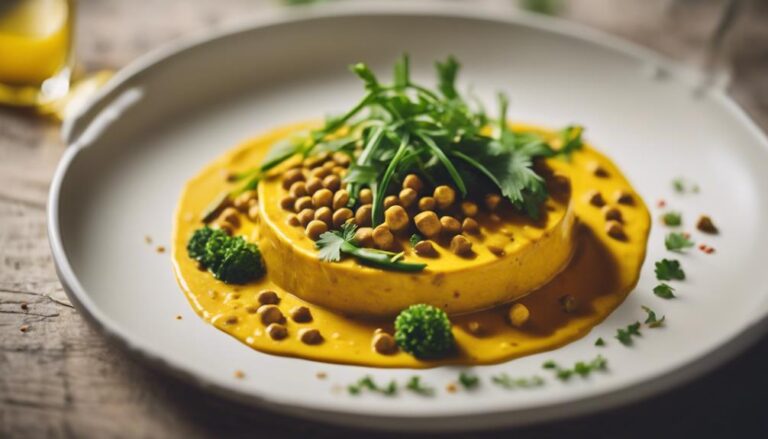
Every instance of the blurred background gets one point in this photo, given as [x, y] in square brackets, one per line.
[61, 379]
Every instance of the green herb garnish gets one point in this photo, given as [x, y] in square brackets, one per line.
[672, 219]
[669, 269]
[415, 239]
[508, 382]
[230, 259]
[468, 381]
[652, 321]
[424, 331]
[600, 342]
[414, 384]
[405, 127]
[677, 242]
[664, 291]
[624, 335]
[681, 185]
[367, 383]
[580, 368]
[334, 243]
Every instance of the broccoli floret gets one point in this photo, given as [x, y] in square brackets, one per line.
[230, 259]
[424, 331]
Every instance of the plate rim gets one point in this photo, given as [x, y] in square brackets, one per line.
[75, 128]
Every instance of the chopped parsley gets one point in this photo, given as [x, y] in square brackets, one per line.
[580, 368]
[468, 381]
[672, 219]
[652, 321]
[664, 291]
[600, 342]
[669, 269]
[367, 383]
[510, 383]
[415, 385]
[624, 335]
[677, 242]
[681, 186]
[415, 239]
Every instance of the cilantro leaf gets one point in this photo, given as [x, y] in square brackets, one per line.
[510, 383]
[415, 239]
[624, 335]
[600, 342]
[669, 269]
[414, 384]
[664, 291]
[468, 381]
[652, 321]
[677, 242]
[672, 219]
[580, 368]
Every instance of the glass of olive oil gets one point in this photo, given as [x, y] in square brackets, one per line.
[36, 57]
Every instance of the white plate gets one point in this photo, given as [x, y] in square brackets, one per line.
[164, 117]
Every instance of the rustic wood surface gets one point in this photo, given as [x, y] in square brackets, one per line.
[60, 378]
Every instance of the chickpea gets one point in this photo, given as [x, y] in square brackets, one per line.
[428, 224]
[320, 172]
[314, 184]
[412, 181]
[424, 248]
[303, 203]
[288, 203]
[293, 220]
[245, 200]
[383, 237]
[340, 171]
[384, 343]
[407, 197]
[614, 230]
[427, 203]
[364, 237]
[323, 197]
[324, 214]
[363, 215]
[461, 245]
[341, 216]
[305, 216]
[313, 162]
[470, 225]
[468, 208]
[341, 159]
[444, 196]
[492, 201]
[366, 196]
[612, 213]
[329, 165]
[225, 227]
[596, 198]
[332, 182]
[229, 215]
[291, 176]
[276, 331]
[298, 189]
[450, 225]
[301, 314]
[316, 228]
[310, 336]
[518, 315]
[340, 199]
[396, 218]
[390, 200]
[270, 314]
[268, 297]
[475, 328]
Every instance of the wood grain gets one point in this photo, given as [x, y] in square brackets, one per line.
[60, 378]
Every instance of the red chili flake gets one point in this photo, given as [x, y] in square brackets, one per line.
[702, 247]
[661, 203]
[706, 249]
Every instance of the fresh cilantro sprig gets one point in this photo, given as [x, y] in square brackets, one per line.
[677, 242]
[672, 219]
[580, 368]
[415, 385]
[468, 380]
[652, 321]
[367, 383]
[334, 243]
[404, 127]
[510, 383]
[624, 335]
[669, 269]
[664, 291]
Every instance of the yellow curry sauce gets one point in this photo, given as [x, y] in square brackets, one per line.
[599, 272]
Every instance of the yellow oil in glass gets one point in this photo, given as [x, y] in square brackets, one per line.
[35, 50]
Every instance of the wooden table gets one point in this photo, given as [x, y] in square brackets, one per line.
[60, 378]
